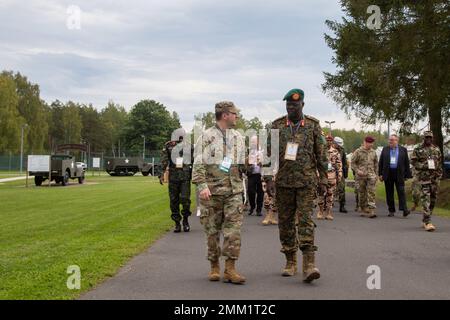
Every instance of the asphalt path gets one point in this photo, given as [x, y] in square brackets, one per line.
[412, 263]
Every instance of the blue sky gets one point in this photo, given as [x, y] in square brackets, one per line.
[186, 54]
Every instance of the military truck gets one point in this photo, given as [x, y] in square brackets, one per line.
[63, 167]
[127, 166]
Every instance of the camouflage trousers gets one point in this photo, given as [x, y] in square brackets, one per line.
[292, 203]
[222, 214]
[416, 189]
[325, 201]
[180, 193]
[428, 197]
[269, 201]
[366, 192]
[340, 191]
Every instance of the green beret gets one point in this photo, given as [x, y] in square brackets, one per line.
[294, 95]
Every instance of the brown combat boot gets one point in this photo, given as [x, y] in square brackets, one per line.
[214, 274]
[267, 218]
[329, 215]
[371, 213]
[429, 227]
[320, 214]
[291, 265]
[310, 272]
[230, 274]
[273, 218]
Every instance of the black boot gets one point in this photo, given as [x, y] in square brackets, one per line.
[186, 226]
[342, 208]
[177, 227]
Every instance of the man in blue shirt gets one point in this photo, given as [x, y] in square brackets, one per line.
[393, 169]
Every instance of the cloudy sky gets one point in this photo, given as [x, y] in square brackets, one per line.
[187, 54]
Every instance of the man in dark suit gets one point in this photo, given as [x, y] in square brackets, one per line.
[393, 169]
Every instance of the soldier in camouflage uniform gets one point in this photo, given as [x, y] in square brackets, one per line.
[218, 167]
[180, 172]
[365, 165]
[301, 155]
[427, 162]
[415, 190]
[334, 174]
[341, 183]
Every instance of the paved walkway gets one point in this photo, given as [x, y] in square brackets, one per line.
[414, 264]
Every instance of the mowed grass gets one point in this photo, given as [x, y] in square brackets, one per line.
[98, 226]
[10, 174]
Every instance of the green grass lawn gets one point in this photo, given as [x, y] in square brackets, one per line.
[98, 226]
[443, 205]
[10, 174]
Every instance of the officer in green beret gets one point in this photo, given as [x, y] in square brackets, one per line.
[301, 156]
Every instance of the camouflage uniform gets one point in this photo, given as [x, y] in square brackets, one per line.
[224, 211]
[334, 174]
[179, 178]
[340, 192]
[366, 162]
[427, 179]
[415, 188]
[297, 181]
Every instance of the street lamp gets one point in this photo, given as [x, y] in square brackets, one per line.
[21, 146]
[330, 123]
[143, 149]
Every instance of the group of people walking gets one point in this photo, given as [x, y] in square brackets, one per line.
[310, 173]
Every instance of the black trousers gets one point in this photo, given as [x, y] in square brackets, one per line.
[389, 186]
[255, 191]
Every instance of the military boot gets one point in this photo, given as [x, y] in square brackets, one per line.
[291, 265]
[342, 208]
[310, 272]
[371, 213]
[273, 218]
[177, 227]
[320, 214]
[214, 274]
[267, 218]
[428, 226]
[230, 274]
[329, 215]
[186, 226]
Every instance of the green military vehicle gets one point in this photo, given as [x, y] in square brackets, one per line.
[63, 168]
[127, 166]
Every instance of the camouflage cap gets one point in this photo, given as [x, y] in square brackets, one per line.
[226, 106]
[294, 95]
[428, 134]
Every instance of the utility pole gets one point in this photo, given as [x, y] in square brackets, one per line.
[143, 149]
[329, 124]
[21, 147]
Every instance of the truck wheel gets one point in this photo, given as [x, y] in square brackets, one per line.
[145, 174]
[81, 179]
[65, 179]
[38, 181]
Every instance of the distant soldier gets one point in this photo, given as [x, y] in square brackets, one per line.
[334, 173]
[180, 172]
[427, 162]
[341, 183]
[301, 155]
[365, 165]
[218, 167]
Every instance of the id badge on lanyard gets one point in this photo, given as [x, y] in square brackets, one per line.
[431, 164]
[291, 151]
[179, 162]
[226, 164]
